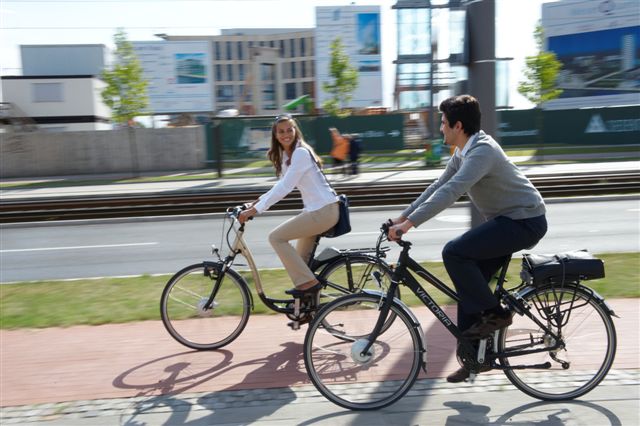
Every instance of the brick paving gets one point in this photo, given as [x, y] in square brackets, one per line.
[42, 367]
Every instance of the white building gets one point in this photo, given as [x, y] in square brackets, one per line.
[58, 91]
[56, 103]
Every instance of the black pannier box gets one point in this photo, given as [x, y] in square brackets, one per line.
[572, 266]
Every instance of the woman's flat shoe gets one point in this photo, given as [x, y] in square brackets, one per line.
[296, 292]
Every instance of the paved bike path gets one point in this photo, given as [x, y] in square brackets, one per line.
[85, 363]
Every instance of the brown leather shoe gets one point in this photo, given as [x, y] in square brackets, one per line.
[462, 374]
[487, 325]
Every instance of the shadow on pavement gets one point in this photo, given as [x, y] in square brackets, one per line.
[178, 377]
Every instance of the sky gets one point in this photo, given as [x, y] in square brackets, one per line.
[96, 21]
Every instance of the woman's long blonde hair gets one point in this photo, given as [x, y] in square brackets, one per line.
[275, 152]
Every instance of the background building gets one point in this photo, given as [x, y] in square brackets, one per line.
[257, 71]
[58, 91]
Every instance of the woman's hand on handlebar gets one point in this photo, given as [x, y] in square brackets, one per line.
[247, 214]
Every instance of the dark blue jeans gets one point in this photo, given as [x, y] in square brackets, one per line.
[473, 259]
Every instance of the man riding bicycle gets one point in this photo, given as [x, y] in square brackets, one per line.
[513, 210]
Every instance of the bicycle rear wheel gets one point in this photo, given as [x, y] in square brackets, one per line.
[183, 313]
[589, 337]
[334, 362]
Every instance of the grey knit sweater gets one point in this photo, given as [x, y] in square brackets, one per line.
[493, 183]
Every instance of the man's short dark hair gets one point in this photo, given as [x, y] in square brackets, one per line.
[465, 109]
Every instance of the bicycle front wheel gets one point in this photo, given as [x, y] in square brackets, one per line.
[335, 363]
[183, 312]
[352, 274]
[589, 344]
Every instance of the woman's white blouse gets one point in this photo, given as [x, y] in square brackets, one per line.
[304, 174]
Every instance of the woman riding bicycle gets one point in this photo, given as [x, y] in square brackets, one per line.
[297, 165]
[513, 209]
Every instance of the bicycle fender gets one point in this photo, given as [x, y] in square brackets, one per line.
[603, 303]
[410, 314]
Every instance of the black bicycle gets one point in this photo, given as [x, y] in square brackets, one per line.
[560, 346]
[207, 305]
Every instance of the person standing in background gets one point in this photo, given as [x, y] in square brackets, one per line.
[340, 149]
[355, 148]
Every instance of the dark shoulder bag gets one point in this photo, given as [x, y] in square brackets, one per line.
[344, 223]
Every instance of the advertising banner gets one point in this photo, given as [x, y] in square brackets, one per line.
[598, 44]
[179, 75]
[359, 29]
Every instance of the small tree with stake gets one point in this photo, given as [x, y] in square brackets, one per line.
[345, 81]
[541, 74]
[126, 91]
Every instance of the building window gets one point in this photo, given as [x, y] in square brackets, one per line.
[229, 72]
[245, 92]
[268, 97]
[302, 47]
[303, 71]
[224, 93]
[217, 48]
[218, 72]
[241, 72]
[282, 48]
[413, 31]
[47, 92]
[240, 51]
[293, 47]
[308, 88]
[272, 43]
[290, 90]
[267, 72]
[293, 69]
[229, 50]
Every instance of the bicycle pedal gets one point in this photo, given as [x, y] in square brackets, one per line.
[295, 325]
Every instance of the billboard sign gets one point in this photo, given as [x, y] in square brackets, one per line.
[598, 44]
[179, 75]
[359, 29]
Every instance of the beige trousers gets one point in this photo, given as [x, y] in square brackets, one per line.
[304, 228]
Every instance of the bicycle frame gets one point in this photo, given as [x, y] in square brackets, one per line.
[402, 273]
[239, 246]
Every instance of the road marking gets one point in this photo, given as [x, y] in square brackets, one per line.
[79, 247]
[413, 231]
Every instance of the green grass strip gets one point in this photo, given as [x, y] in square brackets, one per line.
[120, 300]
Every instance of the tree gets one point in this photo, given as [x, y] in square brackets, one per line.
[126, 91]
[541, 73]
[345, 80]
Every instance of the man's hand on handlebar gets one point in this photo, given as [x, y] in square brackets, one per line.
[399, 229]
